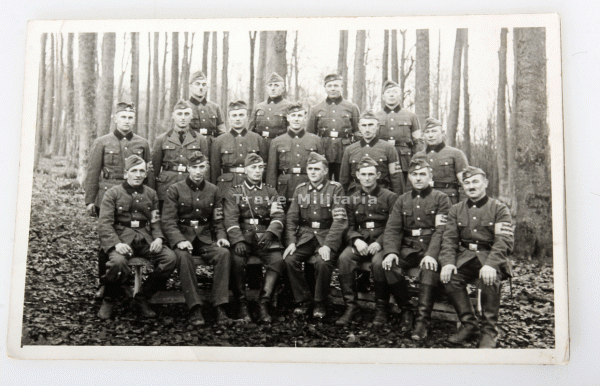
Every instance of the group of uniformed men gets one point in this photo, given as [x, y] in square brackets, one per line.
[326, 187]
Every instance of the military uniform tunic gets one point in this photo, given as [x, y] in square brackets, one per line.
[287, 160]
[397, 127]
[446, 162]
[383, 153]
[269, 118]
[207, 117]
[169, 157]
[107, 163]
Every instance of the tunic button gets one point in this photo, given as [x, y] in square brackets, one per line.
[297, 145]
[392, 119]
[137, 200]
[421, 240]
[197, 210]
[474, 218]
[474, 230]
[240, 144]
[418, 196]
[334, 120]
[125, 147]
[418, 218]
[181, 155]
[418, 206]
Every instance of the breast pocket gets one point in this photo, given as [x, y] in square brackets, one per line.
[185, 208]
[404, 129]
[326, 208]
[382, 164]
[447, 166]
[112, 156]
[283, 155]
[345, 121]
[227, 157]
[407, 215]
[207, 210]
[123, 206]
[462, 223]
[138, 150]
[260, 118]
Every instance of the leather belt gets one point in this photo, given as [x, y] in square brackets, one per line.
[476, 246]
[445, 185]
[268, 134]
[399, 143]
[175, 167]
[257, 221]
[294, 170]
[239, 170]
[134, 223]
[418, 232]
[113, 176]
[205, 131]
[317, 224]
[193, 223]
[334, 133]
[378, 224]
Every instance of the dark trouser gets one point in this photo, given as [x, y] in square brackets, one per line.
[117, 270]
[323, 271]
[347, 265]
[273, 261]
[334, 171]
[216, 256]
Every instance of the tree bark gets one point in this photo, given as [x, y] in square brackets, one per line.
[455, 88]
[86, 86]
[343, 61]
[358, 86]
[107, 83]
[404, 72]
[533, 233]
[39, 124]
[262, 64]
[154, 99]
[276, 53]
[162, 93]
[72, 137]
[183, 81]
[394, 56]
[296, 69]
[466, 104]
[252, 35]
[205, 45]
[57, 106]
[224, 80]
[385, 57]
[124, 65]
[501, 141]
[174, 88]
[436, 95]
[148, 88]
[135, 75]
[49, 99]
[422, 76]
[213, 68]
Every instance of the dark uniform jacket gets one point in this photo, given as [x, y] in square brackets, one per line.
[269, 117]
[106, 165]
[381, 152]
[228, 154]
[252, 210]
[368, 213]
[207, 116]
[123, 206]
[193, 210]
[317, 212]
[169, 157]
[335, 121]
[417, 223]
[397, 127]
[287, 160]
[480, 230]
[446, 162]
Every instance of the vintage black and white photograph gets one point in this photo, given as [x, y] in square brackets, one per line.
[256, 189]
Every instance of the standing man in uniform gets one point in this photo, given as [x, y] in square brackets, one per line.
[172, 149]
[388, 164]
[315, 224]
[446, 161]
[207, 117]
[229, 151]
[336, 121]
[477, 241]
[368, 212]
[288, 154]
[413, 238]
[192, 217]
[268, 117]
[129, 225]
[254, 220]
[400, 127]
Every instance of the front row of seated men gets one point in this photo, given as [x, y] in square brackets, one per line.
[452, 244]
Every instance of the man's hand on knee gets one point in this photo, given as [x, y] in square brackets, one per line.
[446, 273]
[361, 247]
[185, 245]
[325, 253]
[374, 248]
[488, 274]
[289, 250]
[123, 249]
[223, 243]
[156, 245]
[428, 262]
[389, 259]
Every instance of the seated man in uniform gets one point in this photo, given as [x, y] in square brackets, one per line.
[315, 224]
[192, 214]
[129, 225]
[254, 220]
[413, 238]
[477, 241]
[368, 211]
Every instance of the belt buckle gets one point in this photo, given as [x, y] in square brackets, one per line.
[194, 223]
[333, 134]
[135, 224]
[266, 134]
[181, 168]
[473, 247]
[316, 224]
[240, 170]
[392, 141]
[296, 170]
[253, 221]
[203, 131]
[370, 225]
[416, 232]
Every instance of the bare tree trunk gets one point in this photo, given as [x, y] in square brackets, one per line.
[358, 87]
[148, 88]
[39, 124]
[86, 79]
[174, 88]
[107, 83]
[343, 61]
[162, 94]
[154, 101]
[135, 74]
[184, 69]
[533, 233]
[124, 65]
[224, 80]
[213, 68]
[276, 53]
[404, 72]
[436, 96]
[422, 76]
[296, 69]
[205, 45]
[72, 136]
[385, 58]
[251, 88]
[455, 88]
[395, 55]
[501, 141]
[57, 108]
[49, 100]
[262, 64]
[466, 104]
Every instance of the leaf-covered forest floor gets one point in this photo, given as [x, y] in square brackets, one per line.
[60, 307]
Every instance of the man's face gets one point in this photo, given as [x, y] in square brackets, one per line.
[275, 89]
[296, 120]
[334, 88]
[124, 121]
[182, 118]
[368, 128]
[135, 176]
[316, 172]
[475, 186]
[391, 96]
[238, 119]
[198, 88]
[198, 171]
[420, 178]
[368, 177]
[434, 135]
[255, 172]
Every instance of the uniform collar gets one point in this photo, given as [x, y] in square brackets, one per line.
[130, 189]
[337, 100]
[374, 192]
[317, 188]
[196, 101]
[194, 186]
[423, 192]
[275, 100]
[364, 143]
[435, 148]
[252, 186]
[236, 134]
[388, 110]
[300, 133]
[479, 203]
[120, 135]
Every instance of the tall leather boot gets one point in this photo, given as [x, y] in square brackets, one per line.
[424, 307]
[469, 328]
[490, 305]
[400, 292]
[382, 300]
[348, 284]
[238, 284]
[266, 295]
